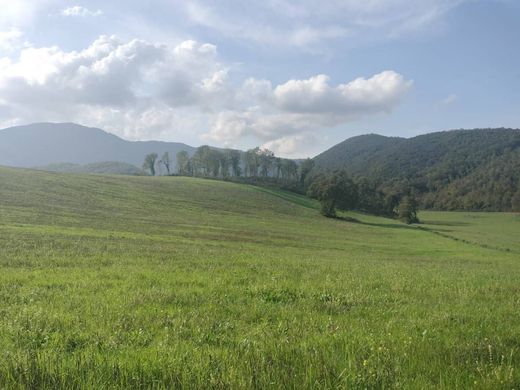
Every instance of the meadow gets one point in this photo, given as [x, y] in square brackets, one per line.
[170, 282]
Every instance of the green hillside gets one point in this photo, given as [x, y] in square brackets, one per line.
[107, 167]
[451, 170]
[164, 282]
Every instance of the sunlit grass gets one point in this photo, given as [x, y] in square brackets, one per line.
[178, 282]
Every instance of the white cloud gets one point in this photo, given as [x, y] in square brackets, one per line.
[134, 81]
[10, 39]
[284, 114]
[78, 10]
[378, 93]
[139, 89]
[293, 145]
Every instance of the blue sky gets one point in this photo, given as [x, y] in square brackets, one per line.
[296, 77]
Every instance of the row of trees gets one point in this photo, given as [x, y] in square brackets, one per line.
[150, 163]
[336, 190]
[210, 162]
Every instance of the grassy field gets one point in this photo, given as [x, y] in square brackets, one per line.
[138, 282]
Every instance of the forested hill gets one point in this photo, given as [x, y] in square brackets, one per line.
[453, 170]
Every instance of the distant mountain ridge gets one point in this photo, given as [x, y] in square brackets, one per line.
[451, 170]
[454, 170]
[43, 144]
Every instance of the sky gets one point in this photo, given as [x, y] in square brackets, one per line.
[293, 76]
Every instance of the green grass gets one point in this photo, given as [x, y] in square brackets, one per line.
[139, 282]
[496, 230]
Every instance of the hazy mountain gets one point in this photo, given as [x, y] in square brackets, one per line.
[459, 169]
[42, 144]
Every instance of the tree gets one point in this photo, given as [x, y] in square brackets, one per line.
[515, 201]
[166, 161]
[305, 168]
[252, 162]
[336, 191]
[234, 159]
[408, 209]
[201, 160]
[289, 169]
[225, 162]
[149, 163]
[183, 162]
[278, 163]
[266, 161]
[214, 159]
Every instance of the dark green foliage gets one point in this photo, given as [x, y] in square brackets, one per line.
[306, 167]
[451, 170]
[336, 191]
[408, 209]
[515, 202]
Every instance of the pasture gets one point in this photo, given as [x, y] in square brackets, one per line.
[141, 282]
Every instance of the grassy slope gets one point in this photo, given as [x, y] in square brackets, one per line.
[126, 282]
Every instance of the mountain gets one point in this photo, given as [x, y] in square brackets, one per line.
[452, 170]
[42, 144]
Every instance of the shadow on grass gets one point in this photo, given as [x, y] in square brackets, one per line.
[446, 223]
[382, 225]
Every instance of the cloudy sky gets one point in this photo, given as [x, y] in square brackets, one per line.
[294, 76]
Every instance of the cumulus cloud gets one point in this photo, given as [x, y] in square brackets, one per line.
[286, 115]
[133, 81]
[378, 93]
[78, 10]
[140, 89]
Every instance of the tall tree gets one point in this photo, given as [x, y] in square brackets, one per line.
[515, 201]
[278, 164]
[252, 161]
[336, 191]
[214, 159]
[289, 170]
[202, 160]
[225, 162]
[266, 158]
[149, 163]
[305, 168]
[183, 163]
[408, 209]
[234, 158]
[166, 161]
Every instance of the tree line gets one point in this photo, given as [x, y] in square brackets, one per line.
[334, 190]
[230, 163]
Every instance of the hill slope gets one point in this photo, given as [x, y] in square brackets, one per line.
[106, 167]
[139, 282]
[461, 169]
[42, 144]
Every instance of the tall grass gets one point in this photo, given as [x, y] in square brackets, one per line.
[111, 282]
